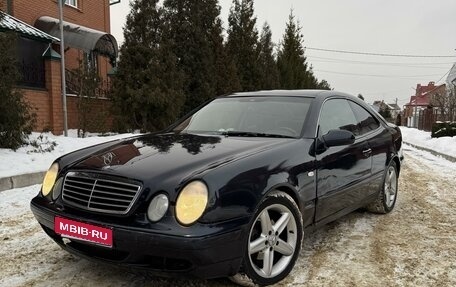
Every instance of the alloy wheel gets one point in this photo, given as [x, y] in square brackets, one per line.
[390, 188]
[272, 240]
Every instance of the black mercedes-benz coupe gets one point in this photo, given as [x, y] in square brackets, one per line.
[228, 190]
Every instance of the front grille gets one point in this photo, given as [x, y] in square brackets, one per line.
[95, 192]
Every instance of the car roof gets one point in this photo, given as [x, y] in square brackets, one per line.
[291, 93]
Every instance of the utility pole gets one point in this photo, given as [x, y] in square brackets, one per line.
[62, 63]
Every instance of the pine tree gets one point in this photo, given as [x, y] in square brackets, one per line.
[243, 43]
[16, 118]
[269, 78]
[196, 30]
[294, 71]
[311, 81]
[291, 62]
[323, 85]
[147, 92]
[226, 78]
[385, 112]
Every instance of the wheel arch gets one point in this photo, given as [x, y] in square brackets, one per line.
[247, 275]
[288, 190]
[397, 161]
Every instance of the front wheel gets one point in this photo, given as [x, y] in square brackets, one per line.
[274, 241]
[387, 196]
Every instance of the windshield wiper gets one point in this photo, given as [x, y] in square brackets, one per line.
[253, 134]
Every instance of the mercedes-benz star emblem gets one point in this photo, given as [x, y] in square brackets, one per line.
[107, 158]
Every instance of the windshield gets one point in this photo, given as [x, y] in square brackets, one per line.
[250, 116]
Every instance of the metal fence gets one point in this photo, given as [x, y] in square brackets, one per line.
[422, 119]
[73, 85]
[32, 74]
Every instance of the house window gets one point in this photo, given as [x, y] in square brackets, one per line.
[73, 3]
[91, 60]
[30, 62]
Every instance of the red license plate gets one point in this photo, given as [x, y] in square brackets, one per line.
[83, 231]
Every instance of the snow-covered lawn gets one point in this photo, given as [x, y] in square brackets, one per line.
[445, 145]
[25, 160]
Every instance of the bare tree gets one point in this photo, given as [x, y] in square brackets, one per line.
[446, 104]
[452, 104]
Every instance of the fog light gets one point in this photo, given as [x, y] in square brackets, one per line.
[57, 190]
[158, 207]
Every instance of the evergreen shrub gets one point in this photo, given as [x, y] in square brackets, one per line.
[443, 129]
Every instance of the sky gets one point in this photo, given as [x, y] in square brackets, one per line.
[398, 27]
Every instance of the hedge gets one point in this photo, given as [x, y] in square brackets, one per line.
[447, 129]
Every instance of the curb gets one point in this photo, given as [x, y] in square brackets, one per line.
[445, 156]
[23, 180]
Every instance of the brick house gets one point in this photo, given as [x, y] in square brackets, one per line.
[419, 111]
[87, 38]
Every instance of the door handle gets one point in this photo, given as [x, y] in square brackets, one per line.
[367, 152]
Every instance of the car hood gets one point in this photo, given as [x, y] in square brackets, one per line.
[152, 158]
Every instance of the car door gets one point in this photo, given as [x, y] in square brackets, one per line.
[379, 142]
[342, 171]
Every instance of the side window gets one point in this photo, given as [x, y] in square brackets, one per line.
[337, 114]
[366, 121]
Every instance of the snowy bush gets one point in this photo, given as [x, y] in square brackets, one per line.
[42, 144]
[446, 129]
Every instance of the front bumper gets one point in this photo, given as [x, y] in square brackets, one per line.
[214, 255]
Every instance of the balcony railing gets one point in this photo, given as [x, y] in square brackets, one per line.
[73, 85]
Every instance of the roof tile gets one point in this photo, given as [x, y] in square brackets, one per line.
[8, 22]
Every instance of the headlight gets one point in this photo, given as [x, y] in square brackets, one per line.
[157, 207]
[49, 179]
[191, 202]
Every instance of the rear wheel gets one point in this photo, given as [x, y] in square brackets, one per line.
[386, 199]
[274, 242]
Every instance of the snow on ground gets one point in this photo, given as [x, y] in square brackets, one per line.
[443, 167]
[415, 245]
[25, 160]
[445, 145]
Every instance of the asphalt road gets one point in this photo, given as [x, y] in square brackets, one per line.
[415, 245]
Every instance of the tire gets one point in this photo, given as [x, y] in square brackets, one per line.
[275, 237]
[386, 199]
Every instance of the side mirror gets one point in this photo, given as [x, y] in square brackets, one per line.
[338, 138]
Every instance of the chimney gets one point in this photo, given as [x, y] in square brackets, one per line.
[418, 90]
